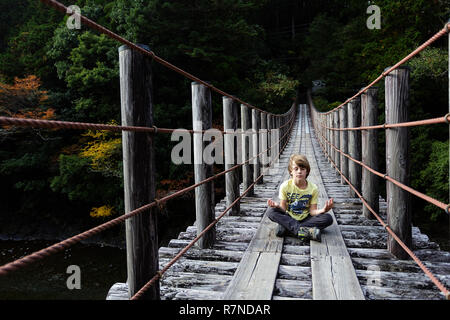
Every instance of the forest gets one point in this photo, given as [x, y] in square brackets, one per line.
[266, 52]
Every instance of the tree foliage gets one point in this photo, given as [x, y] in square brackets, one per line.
[264, 52]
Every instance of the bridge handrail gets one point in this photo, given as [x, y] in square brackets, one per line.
[38, 255]
[439, 284]
[288, 116]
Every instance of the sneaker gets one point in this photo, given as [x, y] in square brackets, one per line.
[281, 231]
[309, 233]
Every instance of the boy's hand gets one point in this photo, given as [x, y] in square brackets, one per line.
[328, 205]
[272, 203]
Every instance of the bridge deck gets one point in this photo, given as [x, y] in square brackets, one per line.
[248, 261]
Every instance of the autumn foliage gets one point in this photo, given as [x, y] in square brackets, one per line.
[25, 99]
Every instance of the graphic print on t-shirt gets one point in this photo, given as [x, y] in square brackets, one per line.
[298, 203]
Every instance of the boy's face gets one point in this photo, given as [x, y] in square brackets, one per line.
[299, 172]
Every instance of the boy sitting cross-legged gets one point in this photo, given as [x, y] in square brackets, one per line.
[297, 211]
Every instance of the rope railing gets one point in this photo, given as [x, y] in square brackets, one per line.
[331, 125]
[53, 124]
[161, 272]
[57, 247]
[438, 284]
[419, 49]
[62, 8]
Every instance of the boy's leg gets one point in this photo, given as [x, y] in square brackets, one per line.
[282, 218]
[320, 221]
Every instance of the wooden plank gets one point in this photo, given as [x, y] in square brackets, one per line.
[333, 274]
[256, 275]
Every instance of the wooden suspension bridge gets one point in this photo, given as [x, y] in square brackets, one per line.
[232, 251]
[249, 262]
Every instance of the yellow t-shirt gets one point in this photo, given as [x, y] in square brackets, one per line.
[298, 200]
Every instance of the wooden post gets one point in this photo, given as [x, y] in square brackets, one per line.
[337, 155]
[354, 144]
[269, 138]
[332, 135]
[329, 148]
[246, 168]
[369, 145]
[343, 137]
[204, 194]
[230, 124]
[256, 123]
[397, 160]
[278, 122]
[263, 140]
[138, 171]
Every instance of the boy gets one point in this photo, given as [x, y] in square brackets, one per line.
[297, 211]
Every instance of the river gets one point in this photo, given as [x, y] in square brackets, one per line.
[100, 267]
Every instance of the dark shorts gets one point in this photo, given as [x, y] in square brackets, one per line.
[320, 221]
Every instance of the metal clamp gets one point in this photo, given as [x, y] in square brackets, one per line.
[156, 128]
[447, 118]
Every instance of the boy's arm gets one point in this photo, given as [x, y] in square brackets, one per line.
[314, 211]
[273, 204]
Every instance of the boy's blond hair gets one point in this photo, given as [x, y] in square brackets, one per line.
[300, 161]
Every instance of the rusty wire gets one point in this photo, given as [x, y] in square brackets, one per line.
[62, 8]
[429, 199]
[444, 119]
[419, 49]
[33, 257]
[55, 124]
[440, 286]
[161, 272]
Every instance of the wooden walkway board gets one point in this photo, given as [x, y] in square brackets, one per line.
[256, 275]
[333, 274]
[302, 270]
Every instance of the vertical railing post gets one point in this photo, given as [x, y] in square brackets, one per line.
[256, 124]
[343, 137]
[246, 150]
[332, 139]
[269, 138]
[204, 194]
[263, 140]
[369, 145]
[278, 122]
[354, 144]
[337, 154]
[231, 149]
[448, 73]
[138, 171]
[329, 148]
[397, 160]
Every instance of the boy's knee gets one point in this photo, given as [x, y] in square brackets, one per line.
[273, 213]
[328, 219]
[270, 213]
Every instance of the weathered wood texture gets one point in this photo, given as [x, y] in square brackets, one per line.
[255, 277]
[207, 273]
[333, 275]
[343, 137]
[139, 170]
[354, 144]
[247, 169]
[381, 275]
[204, 194]
[231, 124]
[369, 145]
[397, 159]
